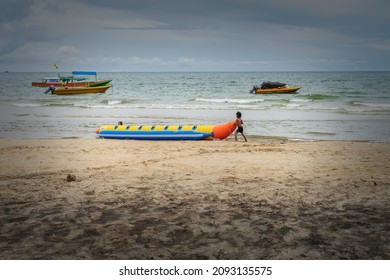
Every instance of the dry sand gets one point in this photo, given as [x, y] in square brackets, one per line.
[194, 200]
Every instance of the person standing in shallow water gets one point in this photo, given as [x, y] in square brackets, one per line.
[240, 128]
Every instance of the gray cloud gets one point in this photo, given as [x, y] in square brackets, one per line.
[203, 34]
[296, 12]
[20, 24]
[13, 11]
[174, 26]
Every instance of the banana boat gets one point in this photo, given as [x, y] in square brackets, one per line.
[166, 132]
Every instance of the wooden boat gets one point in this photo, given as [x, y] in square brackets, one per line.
[286, 89]
[72, 81]
[79, 90]
[62, 81]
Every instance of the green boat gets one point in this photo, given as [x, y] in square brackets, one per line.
[95, 83]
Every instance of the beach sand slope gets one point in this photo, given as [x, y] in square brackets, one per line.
[193, 200]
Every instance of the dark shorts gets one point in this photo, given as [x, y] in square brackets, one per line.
[240, 129]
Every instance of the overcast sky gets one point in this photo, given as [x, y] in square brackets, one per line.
[194, 35]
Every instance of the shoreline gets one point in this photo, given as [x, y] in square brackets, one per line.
[251, 139]
[194, 200]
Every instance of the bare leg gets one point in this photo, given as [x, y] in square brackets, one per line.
[244, 137]
[235, 135]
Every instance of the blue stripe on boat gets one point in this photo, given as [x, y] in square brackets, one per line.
[153, 135]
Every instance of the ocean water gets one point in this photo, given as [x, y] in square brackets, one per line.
[330, 106]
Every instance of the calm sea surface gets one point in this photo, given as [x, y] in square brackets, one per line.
[330, 106]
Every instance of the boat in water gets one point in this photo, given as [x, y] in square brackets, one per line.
[166, 132]
[72, 81]
[77, 90]
[286, 89]
[274, 87]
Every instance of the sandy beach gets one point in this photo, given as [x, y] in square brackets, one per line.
[194, 200]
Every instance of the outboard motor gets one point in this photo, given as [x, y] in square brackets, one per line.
[255, 87]
[50, 89]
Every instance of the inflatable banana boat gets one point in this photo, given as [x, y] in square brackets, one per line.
[166, 132]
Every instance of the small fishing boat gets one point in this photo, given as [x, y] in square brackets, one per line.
[166, 132]
[68, 81]
[72, 81]
[286, 89]
[77, 90]
[274, 87]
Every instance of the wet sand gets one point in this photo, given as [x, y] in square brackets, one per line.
[193, 200]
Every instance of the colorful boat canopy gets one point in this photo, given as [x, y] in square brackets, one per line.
[84, 73]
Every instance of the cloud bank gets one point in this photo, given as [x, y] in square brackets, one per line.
[173, 35]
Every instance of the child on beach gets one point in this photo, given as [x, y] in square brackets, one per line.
[240, 128]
